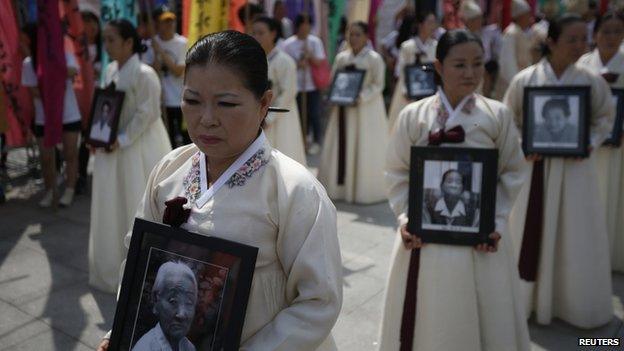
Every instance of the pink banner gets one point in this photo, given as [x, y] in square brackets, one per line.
[51, 69]
[19, 110]
[76, 41]
[372, 20]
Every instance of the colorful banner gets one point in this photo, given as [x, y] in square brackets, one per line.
[506, 20]
[358, 10]
[19, 109]
[76, 41]
[207, 16]
[234, 22]
[372, 20]
[295, 7]
[336, 11]
[51, 69]
[110, 10]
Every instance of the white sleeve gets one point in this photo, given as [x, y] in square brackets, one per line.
[29, 78]
[70, 61]
[182, 52]
[319, 52]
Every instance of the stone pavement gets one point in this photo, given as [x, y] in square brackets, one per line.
[46, 304]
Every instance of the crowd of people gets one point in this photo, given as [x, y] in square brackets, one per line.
[197, 123]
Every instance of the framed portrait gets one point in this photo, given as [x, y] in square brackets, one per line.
[104, 121]
[346, 86]
[419, 81]
[183, 288]
[452, 194]
[615, 139]
[556, 121]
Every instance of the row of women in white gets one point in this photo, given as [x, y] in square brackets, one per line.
[241, 188]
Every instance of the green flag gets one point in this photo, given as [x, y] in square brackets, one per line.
[336, 11]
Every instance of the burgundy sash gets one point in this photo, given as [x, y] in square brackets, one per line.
[408, 319]
[342, 144]
[532, 238]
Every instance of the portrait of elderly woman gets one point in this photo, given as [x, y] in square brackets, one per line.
[174, 298]
[452, 206]
[101, 125]
[346, 87]
[558, 125]
[419, 82]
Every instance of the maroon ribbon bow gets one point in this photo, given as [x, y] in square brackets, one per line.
[453, 135]
[175, 213]
[610, 77]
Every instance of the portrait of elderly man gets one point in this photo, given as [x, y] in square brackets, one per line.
[556, 127]
[174, 295]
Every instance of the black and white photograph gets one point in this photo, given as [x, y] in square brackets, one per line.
[346, 86]
[105, 113]
[182, 291]
[419, 81]
[555, 121]
[452, 194]
[615, 139]
[452, 191]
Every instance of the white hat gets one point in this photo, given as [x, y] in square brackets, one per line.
[580, 7]
[89, 6]
[519, 7]
[470, 9]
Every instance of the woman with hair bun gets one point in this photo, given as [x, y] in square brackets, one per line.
[445, 297]
[559, 220]
[607, 60]
[120, 172]
[239, 188]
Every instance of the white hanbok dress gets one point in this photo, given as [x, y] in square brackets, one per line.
[119, 177]
[407, 56]
[515, 55]
[610, 164]
[284, 129]
[466, 300]
[365, 133]
[573, 280]
[269, 201]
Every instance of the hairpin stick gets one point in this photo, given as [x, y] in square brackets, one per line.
[278, 110]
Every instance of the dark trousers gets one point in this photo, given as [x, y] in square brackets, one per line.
[83, 158]
[313, 101]
[177, 136]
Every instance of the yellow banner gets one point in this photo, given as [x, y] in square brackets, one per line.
[207, 16]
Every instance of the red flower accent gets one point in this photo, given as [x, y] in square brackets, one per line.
[175, 213]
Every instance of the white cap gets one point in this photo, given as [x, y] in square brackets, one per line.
[470, 9]
[89, 6]
[580, 7]
[519, 7]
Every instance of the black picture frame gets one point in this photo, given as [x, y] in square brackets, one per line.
[615, 139]
[223, 270]
[573, 136]
[419, 81]
[99, 125]
[346, 86]
[478, 170]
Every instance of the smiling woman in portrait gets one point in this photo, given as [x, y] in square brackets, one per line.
[241, 189]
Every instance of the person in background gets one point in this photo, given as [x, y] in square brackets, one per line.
[94, 40]
[71, 126]
[420, 48]
[283, 130]
[266, 200]
[307, 49]
[351, 164]
[120, 172]
[252, 11]
[516, 46]
[279, 13]
[170, 50]
[565, 272]
[147, 30]
[607, 60]
[472, 291]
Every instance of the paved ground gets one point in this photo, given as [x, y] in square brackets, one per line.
[46, 304]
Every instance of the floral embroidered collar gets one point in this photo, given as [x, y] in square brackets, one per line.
[196, 181]
[445, 113]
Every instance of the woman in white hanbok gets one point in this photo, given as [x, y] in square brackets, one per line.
[463, 298]
[282, 130]
[559, 223]
[607, 60]
[239, 188]
[356, 137]
[422, 49]
[120, 172]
